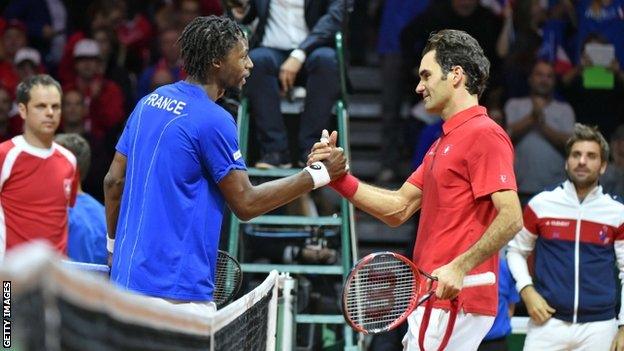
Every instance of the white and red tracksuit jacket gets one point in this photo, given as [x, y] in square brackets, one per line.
[577, 247]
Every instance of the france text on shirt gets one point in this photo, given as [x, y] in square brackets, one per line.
[165, 103]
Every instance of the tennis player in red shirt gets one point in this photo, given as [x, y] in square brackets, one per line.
[465, 188]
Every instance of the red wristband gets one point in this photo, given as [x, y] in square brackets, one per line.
[346, 185]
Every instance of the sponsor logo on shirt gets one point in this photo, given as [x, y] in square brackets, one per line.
[503, 178]
[557, 223]
[237, 155]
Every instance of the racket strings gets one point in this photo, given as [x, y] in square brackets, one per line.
[227, 279]
[380, 292]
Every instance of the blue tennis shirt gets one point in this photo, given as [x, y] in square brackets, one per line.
[179, 144]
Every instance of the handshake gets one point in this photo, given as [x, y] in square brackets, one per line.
[326, 162]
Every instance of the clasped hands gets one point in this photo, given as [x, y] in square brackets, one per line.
[333, 157]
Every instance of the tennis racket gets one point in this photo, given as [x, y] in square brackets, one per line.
[228, 279]
[384, 288]
[228, 276]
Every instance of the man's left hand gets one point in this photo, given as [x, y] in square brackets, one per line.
[288, 73]
[450, 281]
[618, 341]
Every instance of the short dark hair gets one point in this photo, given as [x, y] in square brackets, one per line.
[205, 40]
[22, 94]
[457, 48]
[79, 147]
[584, 132]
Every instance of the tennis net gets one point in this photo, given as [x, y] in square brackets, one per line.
[56, 307]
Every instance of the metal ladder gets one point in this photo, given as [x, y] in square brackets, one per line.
[343, 220]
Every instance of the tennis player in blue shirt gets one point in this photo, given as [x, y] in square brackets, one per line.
[178, 163]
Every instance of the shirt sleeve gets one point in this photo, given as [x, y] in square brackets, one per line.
[219, 147]
[124, 142]
[74, 187]
[417, 178]
[490, 164]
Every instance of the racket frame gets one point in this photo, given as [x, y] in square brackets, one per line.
[223, 255]
[351, 279]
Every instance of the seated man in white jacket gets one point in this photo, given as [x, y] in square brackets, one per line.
[577, 234]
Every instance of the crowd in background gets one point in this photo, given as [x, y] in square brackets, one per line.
[543, 77]
[108, 54]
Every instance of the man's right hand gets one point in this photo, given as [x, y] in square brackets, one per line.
[536, 306]
[322, 149]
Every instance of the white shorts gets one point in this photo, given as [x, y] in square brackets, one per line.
[197, 308]
[556, 334]
[467, 334]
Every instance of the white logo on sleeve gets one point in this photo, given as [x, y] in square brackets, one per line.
[503, 178]
[67, 187]
[237, 155]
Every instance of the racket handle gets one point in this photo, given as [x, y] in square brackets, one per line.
[487, 278]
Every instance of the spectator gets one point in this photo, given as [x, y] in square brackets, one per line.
[169, 60]
[161, 77]
[86, 240]
[7, 126]
[576, 233]
[165, 16]
[466, 15]
[46, 21]
[605, 17]
[396, 15]
[539, 126]
[113, 64]
[519, 42]
[613, 179]
[134, 33]
[99, 14]
[39, 176]
[188, 10]
[604, 107]
[291, 42]
[14, 38]
[103, 97]
[74, 111]
[27, 63]
[496, 338]
[74, 114]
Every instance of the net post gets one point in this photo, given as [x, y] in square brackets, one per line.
[288, 329]
[272, 320]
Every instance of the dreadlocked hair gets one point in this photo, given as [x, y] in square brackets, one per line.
[206, 40]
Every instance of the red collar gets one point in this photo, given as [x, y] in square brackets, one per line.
[462, 116]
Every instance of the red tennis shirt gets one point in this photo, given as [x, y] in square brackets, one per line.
[36, 188]
[471, 160]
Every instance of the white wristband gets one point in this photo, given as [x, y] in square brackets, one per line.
[319, 174]
[110, 244]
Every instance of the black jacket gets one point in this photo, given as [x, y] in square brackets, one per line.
[323, 18]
